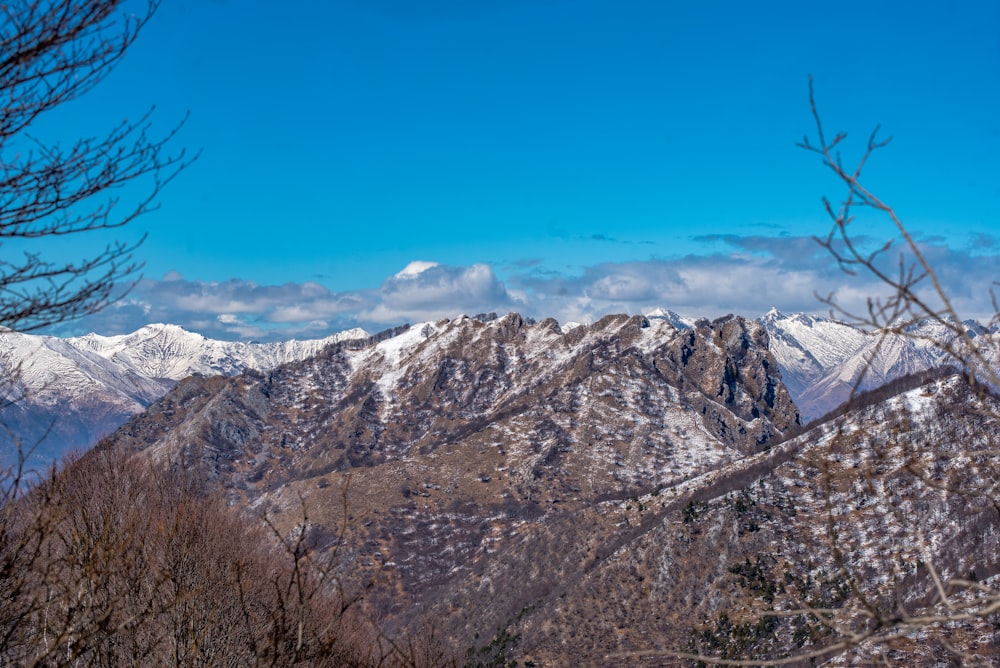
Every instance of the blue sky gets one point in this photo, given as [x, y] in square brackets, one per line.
[373, 162]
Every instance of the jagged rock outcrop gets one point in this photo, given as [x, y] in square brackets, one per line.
[730, 364]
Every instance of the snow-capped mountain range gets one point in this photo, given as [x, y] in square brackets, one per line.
[169, 351]
[65, 394]
[76, 390]
[822, 360]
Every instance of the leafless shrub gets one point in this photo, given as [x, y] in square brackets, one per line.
[113, 561]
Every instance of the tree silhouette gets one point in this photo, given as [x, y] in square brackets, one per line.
[51, 53]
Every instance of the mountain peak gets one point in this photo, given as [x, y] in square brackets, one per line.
[675, 319]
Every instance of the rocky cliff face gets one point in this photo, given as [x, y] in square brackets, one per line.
[730, 364]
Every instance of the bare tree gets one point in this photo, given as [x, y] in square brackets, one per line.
[915, 291]
[115, 560]
[112, 560]
[51, 53]
[927, 467]
[901, 503]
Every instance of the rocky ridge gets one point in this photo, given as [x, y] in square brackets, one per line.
[462, 439]
[76, 390]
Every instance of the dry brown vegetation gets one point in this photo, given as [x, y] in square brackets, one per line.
[113, 561]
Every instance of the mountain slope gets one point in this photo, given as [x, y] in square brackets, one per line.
[463, 439]
[822, 361]
[841, 508]
[65, 394]
[609, 494]
[444, 382]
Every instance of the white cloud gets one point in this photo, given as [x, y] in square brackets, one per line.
[416, 268]
[759, 273]
[430, 291]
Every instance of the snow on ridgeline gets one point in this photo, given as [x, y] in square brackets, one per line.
[169, 351]
[83, 378]
[134, 369]
[822, 359]
[65, 394]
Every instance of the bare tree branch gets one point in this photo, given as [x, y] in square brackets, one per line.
[52, 52]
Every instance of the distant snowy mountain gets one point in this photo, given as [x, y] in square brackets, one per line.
[676, 320]
[65, 394]
[169, 351]
[822, 360]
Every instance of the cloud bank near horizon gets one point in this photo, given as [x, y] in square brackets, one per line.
[754, 274]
